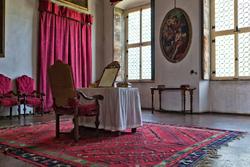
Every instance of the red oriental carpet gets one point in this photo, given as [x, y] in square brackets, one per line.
[152, 144]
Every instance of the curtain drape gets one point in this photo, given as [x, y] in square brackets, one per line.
[64, 34]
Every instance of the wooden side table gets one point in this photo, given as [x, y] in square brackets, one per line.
[183, 89]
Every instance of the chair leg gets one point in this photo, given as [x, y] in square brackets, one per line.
[19, 111]
[76, 128]
[41, 109]
[97, 122]
[24, 110]
[34, 110]
[10, 113]
[57, 125]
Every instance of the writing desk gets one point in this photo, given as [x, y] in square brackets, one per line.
[183, 90]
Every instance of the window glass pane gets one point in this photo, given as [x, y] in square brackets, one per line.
[224, 15]
[133, 63]
[244, 54]
[134, 27]
[146, 62]
[224, 59]
[146, 25]
[244, 13]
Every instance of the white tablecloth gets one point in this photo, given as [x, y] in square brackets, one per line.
[119, 110]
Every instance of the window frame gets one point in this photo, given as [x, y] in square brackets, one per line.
[236, 31]
[140, 44]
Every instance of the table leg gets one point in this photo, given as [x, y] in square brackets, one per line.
[159, 100]
[133, 130]
[152, 98]
[191, 101]
[183, 92]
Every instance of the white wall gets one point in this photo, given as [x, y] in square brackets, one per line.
[96, 9]
[230, 96]
[20, 38]
[175, 74]
[204, 96]
[108, 32]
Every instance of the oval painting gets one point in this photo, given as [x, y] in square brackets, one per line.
[175, 35]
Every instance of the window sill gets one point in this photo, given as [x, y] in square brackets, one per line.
[142, 81]
[228, 80]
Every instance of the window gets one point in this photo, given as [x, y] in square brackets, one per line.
[138, 44]
[230, 39]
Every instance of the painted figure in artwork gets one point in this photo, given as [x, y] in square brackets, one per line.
[175, 35]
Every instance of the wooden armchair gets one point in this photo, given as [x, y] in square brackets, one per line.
[7, 97]
[28, 95]
[66, 98]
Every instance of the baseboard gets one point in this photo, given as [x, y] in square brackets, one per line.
[203, 112]
[227, 113]
[167, 111]
[145, 108]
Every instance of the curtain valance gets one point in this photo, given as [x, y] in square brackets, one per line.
[46, 5]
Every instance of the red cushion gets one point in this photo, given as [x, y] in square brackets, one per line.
[5, 84]
[73, 102]
[84, 110]
[87, 109]
[33, 101]
[25, 84]
[8, 101]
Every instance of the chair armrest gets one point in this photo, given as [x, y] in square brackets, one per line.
[19, 94]
[10, 94]
[98, 97]
[95, 97]
[36, 93]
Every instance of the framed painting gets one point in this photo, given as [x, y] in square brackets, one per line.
[175, 35]
[108, 77]
[75, 4]
[2, 13]
[109, 74]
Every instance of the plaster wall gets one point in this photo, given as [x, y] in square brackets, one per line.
[108, 32]
[230, 96]
[96, 9]
[20, 38]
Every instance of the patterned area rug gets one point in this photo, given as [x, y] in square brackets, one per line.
[152, 144]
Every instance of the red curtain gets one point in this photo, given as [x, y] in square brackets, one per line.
[64, 34]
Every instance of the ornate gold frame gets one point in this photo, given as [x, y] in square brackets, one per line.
[71, 4]
[164, 25]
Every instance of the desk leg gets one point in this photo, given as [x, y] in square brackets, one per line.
[159, 100]
[152, 98]
[191, 101]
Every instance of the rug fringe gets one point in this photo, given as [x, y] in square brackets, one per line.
[212, 153]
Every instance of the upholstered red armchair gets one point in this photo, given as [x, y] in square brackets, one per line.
[66, 98]
[7, 97]
[28, 95]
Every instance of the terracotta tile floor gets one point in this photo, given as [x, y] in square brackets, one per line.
[236, 154]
